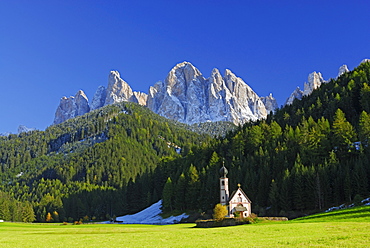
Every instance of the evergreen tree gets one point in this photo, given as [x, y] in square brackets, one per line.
[28, 214]
[274, 197]
[193, 188]
[168, 193]
[343, 133]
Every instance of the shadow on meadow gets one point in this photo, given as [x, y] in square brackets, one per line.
[356, 213]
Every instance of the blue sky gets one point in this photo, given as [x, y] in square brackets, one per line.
[50, 49]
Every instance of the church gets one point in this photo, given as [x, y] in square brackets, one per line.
[238, 203]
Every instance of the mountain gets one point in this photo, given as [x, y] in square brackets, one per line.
[24, 129]
[314, 81]
[185, 96]
[270, 103]
[343, 69]
[115, 160]
[70, 107]
[296, 94]
[307, 156]
[103, 162]
[117, 91]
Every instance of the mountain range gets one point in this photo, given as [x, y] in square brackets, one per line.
[120, 158]
[188, 97]
[185, 96]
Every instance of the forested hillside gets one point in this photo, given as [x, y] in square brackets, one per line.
[97, 165]
[310, 155]
[116, 160]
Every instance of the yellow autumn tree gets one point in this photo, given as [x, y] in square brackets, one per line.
[219, 212]
[48, 217]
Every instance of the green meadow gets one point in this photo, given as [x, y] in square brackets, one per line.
[345, 228]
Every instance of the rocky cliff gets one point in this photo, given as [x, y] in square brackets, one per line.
[117, 91]
[270, 103]
[188, 97]
[185, 96]
[70, 107]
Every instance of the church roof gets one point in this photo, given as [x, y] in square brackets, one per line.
[241, 191]
[240, 209]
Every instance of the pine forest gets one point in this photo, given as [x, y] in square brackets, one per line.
[305, 157]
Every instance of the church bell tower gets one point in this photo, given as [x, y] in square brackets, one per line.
[224, 186]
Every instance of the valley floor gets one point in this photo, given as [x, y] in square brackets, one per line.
[283, 234]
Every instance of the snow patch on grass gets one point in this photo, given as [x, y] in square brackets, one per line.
[150, 215]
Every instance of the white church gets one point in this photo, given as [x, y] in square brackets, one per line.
[238, 201]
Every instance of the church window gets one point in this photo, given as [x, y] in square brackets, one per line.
[223, 183]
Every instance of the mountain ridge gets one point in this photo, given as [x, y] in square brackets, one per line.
[185, 96]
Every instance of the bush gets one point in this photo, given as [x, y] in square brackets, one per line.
[357, 200]
[219, 212]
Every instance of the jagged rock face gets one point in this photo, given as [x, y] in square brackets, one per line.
[270, 103]
[24, 129]
[246, 103]
[343, 69]
[185, 96]
[118, 90]
[181, 95]
[188, 97]
[219, 98]
[70, 107]
[296, 94]
[139, 97]
[314, 81]
[99, 98]
[81, 103]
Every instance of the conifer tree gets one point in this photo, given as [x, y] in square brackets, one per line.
[180, 202]
[274, 197]
[344, 133]
[168, 193]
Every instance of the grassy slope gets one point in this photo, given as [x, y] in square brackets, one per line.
[350, 230]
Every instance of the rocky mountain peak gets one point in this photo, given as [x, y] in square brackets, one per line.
[314, 81]
[343, 69]
[24, 129]
[296, 94]
[99, 98]
[70, 107]
[188, 97]
[118, 90]
[270, 103]
[365, 60]
[185, 95]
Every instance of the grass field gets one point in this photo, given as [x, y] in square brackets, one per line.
[345, 228]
